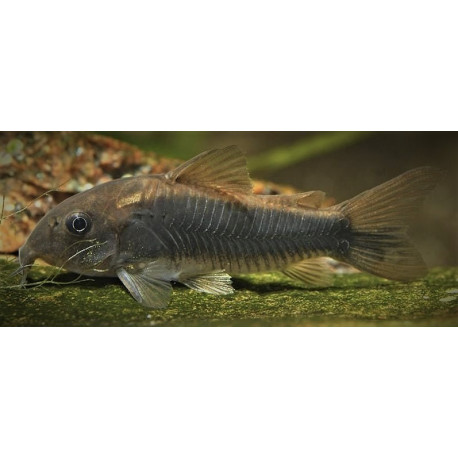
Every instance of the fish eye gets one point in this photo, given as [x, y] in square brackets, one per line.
[78, 223]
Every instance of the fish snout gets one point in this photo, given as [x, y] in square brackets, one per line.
[27, 257]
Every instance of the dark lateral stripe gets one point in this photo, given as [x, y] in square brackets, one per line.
[218, 232]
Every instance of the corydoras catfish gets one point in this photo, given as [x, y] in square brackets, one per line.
[200, 223]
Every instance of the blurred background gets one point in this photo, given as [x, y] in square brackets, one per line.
[342, 164]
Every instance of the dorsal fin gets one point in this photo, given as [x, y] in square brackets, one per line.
[311, 199]
[223, 169]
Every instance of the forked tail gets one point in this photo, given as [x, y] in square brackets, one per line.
[378, 242]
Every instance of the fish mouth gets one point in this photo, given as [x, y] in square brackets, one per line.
[26, 259]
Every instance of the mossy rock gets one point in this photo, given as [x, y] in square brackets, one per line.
[261, 300]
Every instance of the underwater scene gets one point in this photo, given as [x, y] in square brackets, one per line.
[228, 229]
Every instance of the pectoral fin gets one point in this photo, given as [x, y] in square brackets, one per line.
[146, 288]
[212, 283]
[314, 272]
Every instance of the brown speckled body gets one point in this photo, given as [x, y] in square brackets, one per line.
[189, 229]
[201, 230]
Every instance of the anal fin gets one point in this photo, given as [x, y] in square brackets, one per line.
[314, 272]
[218, 283]
[145, 286]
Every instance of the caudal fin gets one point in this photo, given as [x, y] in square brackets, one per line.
[378, 241]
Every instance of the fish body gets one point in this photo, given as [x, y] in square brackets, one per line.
[200, 223]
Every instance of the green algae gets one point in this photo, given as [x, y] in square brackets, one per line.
[261, 300]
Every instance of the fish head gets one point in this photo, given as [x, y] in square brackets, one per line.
[78, 235]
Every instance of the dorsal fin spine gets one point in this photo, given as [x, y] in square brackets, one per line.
[221, 169]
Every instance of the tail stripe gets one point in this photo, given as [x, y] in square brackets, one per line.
[379, 219]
